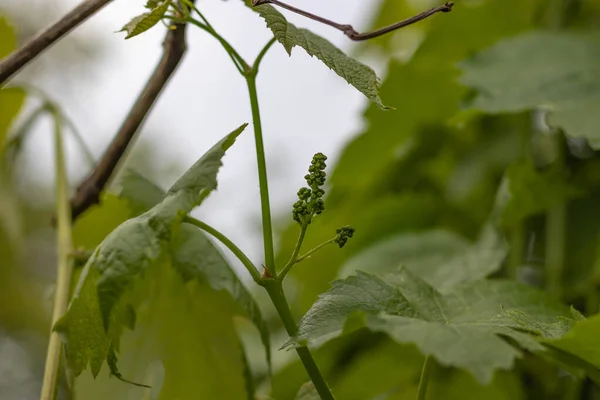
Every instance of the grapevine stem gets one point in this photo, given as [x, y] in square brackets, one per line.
[424, 380]
[556, 224]
[555, 247]
[268, 281]
[228, 243]
[65, 266]
[517, 251]
[294, 257]
[238, 61]
[314, 250]
[262, 176]
[275, 290]
[272, 284]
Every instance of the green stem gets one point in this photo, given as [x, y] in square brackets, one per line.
[229, 244]
[48, 105]
[424, 380]
[262, 177]
[87, 152]
[556, 220]
[517, 250]
[294, 256]
[556, 224]
[239, 62]
[65, 267]
[312, 251]
[261, 55]
[275, 290]
[273, 285]
[15, 142]
[193, 7]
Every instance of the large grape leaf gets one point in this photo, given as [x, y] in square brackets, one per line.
[355, 73]
[194, 255]
[123, 255]
[461, 328]
[98, 221]
[561, 75]
[184, 338]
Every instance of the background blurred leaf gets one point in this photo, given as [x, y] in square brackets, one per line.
[561, 74]
[11, 101]
[308, 392]
[441, 258]
[534, 191]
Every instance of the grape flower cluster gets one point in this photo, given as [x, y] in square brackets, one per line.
[343, 234]
[310, 199]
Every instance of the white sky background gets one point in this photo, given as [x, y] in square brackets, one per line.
[305, 107]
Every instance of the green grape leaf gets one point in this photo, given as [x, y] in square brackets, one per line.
[11, 99]
[152, 3]
[132, 248]
[139, 192]
[143, 22]
[355, 73]
[92, 227]
[9, 39]
[581, 341]
[185, 339]
[308, 392]
[81, 328]
[461, 328]
[194, 255]
[137, 243]
[561, 75]
[441, 258]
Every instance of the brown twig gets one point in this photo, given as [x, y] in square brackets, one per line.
[19, 58]
[88, 192]
[349, 30]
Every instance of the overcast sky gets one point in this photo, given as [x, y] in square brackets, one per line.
[306, 108]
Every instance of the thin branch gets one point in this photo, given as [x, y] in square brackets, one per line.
[54, 108]
[238, 61]
[349, 30]
[229, 244]
[65, 264]
[88, 192]
[21, 57]
[314, 250]
[294, 257]
[262, 54]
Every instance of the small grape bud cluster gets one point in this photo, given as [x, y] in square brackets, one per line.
[343, 234]
[310, 199]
